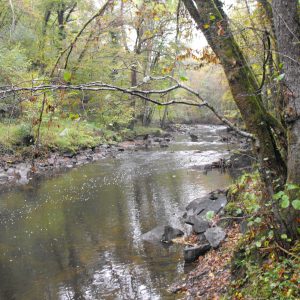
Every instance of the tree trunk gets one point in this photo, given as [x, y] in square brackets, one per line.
[176, 40]
[133, 73]
[213, 22]
[269, 132]
[287, 28]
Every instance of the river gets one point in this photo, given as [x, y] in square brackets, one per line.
[78, 235]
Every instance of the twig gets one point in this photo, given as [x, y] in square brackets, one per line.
[287, 252]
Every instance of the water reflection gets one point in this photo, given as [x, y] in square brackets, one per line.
[77, 236]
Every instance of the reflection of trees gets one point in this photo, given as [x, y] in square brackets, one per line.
[85, 234]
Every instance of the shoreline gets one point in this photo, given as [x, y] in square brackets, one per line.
[18, 171]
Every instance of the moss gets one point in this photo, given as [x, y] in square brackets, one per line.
[140, 130]
[65, 135]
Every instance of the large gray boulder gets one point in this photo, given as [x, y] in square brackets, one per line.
[215, 236]
[163, 234]
[198, 208]
[200, 225]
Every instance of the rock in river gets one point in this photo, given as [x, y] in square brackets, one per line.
[192, 253]
[163, 234]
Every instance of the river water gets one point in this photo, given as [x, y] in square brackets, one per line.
[78, 235]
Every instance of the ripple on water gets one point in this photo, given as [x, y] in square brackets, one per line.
[78, 235]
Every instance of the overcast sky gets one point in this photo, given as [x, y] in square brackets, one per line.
[199, 40]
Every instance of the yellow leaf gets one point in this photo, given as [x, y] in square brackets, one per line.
[206, 26]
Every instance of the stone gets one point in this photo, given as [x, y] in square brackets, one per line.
[192, 253]
[215, 236]
[200, 225]
[162, 234]
[68, 154]
[193, 137]
[189, 217]
[163, 145]
[3, 177]
[11, 172]
[51, 161]
[171, 233]
[200, 206]
[244, 227]
[194, 204]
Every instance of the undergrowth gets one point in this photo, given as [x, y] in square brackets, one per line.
[65, 135]
[261, 268]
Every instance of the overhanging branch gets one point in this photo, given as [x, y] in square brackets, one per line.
[134, 91]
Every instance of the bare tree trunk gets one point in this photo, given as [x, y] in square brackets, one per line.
[164, 118]
[132, 102]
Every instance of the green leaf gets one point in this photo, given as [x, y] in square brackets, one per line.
[258, 244]
[183, 78]
[280, 77]
[296, 204]
[257, 220]
[278, 195]
[285, 197]
[67, 76]
[285, 202]
[210, 214]
[284, 236]
[250, 223]
[292, 186]
[239, 211]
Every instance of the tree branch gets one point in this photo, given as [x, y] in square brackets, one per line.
[134, 91]
[71, 46]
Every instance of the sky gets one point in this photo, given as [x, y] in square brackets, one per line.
[199, 42]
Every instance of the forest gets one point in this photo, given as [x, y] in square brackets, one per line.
[127, 110]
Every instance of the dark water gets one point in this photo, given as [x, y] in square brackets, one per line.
[77, 236]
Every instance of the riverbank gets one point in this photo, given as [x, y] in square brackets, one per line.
[22, 167]
[249, 263]
[19, 167]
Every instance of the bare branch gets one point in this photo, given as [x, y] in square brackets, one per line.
[134, 91]
[69, 49]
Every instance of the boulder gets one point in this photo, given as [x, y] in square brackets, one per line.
[192, 253]
[200, 225]
[163, 234]
[201, 206]
[215, 236]
[242, 159]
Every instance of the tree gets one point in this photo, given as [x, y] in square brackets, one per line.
[287, 28]
[270, 133]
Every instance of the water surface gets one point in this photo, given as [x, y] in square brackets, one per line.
[78, 235]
